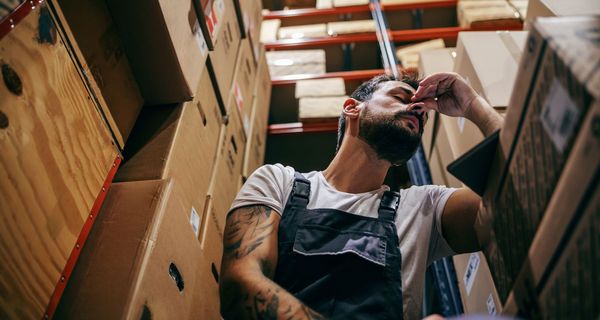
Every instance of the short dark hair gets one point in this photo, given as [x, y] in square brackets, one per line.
[365, 91]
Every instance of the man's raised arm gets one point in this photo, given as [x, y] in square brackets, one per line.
[248, 265]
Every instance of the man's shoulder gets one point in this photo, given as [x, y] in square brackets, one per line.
[425, 192]
[277, 172]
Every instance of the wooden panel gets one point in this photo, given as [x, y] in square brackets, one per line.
[56, 154]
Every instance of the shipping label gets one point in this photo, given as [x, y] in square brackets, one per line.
[195, 221]
[469, 277]
[491, 306]
[559, 116]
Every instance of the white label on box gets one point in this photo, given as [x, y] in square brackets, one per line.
[491, 306]
[559, 116]
[195, 221]
[200, 39]
[469, 277]
[461, 124]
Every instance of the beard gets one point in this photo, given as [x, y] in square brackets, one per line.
[386, 135]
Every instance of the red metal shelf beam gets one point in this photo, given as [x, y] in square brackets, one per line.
[396, 36]
[346, 75]
[299, 127]
[313, 12]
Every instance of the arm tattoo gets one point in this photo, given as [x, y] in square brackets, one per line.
[265, 306]
[247, 228]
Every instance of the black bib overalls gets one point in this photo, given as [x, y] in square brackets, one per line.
[341, 265]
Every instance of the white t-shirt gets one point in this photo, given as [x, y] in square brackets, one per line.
[418, 219]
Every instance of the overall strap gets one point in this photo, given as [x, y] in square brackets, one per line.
[388, 206]
[300, 191]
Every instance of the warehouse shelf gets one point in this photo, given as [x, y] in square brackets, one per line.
[395, 36]
[300, 127]
[313, 12]
[19, 13]
[346, 75]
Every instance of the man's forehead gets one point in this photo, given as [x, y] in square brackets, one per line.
[393, 85]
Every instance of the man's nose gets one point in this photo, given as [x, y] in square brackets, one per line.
[417, 109]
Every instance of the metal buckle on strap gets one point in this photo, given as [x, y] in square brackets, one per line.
[301, 189]
[390, 200]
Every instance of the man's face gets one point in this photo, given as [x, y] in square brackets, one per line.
[387, 124]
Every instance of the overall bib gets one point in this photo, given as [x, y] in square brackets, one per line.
[342, 265]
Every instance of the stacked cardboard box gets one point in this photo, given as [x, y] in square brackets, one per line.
[557, 8]
[57, 154]
[76, 76]
[320, 99]
[486, 13]
[409, 55]
[289, 62]
[546, 141]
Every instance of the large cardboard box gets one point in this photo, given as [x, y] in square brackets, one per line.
[141, 258]
[228, 169]
[487, 14]
[350, 27]
[493, 81]
[57, 153]
[571, 290]
[165, 47]
[251, 14]
[306, 31]
[206, 301]
[254, 155]
[432, 61]
[476, 285]
[551, 8]
[576, 184]
[242, 90]
[262, 90]
[100, 52]
[438, 173]
[320, 109]
[447, 153]
[320, 88]
[176, 141]
[290, 62]
[226, 38]
[544, 120]
[409, 55]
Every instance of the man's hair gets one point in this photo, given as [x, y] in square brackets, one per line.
[365, 91]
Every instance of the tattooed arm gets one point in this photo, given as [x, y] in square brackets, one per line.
[248, 265]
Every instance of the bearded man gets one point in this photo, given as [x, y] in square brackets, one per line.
[337, 243]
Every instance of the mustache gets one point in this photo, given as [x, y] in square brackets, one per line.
[404, 113]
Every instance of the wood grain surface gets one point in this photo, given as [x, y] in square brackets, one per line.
[56, 152]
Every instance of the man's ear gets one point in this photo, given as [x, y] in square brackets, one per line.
[351, 109]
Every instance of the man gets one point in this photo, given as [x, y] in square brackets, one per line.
[338, 244]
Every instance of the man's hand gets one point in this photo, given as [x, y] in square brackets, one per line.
[449, 94]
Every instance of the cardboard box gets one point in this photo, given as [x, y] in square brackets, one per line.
[262, 90]
[100, 52]
[269, 29]
[347, 3]
[486, 14]
[571, 289]
[207, 302]
[430, 62]
[165, 47]
[319, 109]
[227, 36]
[140, 260]
[242, 90]
[320, 88]
[409, 55]
[438, 173]
[493, 81]
[228, 168]
[306, 31]
[252, 18]
[521, 7]
[547, 118]
[176, 141]
[578, 180]
[350, 27]
[57, 153]
[324, 4]
[551, 8]
[254, 154]
[289, 62]
[476, 285]
[446, 155]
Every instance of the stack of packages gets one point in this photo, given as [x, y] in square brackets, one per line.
[542, 198]
[321, 100]
[409, 55]
[447, 138]
[487, 14]
[183, 93]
